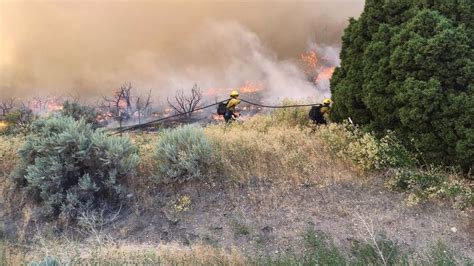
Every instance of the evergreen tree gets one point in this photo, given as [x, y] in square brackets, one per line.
[408, 66]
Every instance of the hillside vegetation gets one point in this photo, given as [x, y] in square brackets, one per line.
[107, 175]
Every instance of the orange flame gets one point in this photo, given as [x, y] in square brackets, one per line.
[217, 117]
[212, 91]
[122, 104]
[311, 60]
[319, 69]
[54, 107]
[325, 74]
[248, 87]
[46, 105]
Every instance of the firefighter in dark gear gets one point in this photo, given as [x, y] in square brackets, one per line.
[317, 112]
[230, 114]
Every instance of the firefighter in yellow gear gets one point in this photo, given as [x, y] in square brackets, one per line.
[317, 113]
[234, 100]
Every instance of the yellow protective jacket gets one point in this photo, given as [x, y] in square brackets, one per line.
[325, 110]
[232, 103]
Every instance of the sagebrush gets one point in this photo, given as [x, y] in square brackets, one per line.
[181, 154]
[78, 112]
[68, 166]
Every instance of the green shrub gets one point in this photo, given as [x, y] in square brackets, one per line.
[317, 249]
[393, 153]
[183, 153]
[364, 149]
[407, 66]
[69, 166]
[414, 179]
[441, 255]
[321, 251]
[433, 183]
[382, 251]
[78, 112]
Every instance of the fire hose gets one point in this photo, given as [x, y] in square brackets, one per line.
[123, 129]
[134, 127]
[277, 106]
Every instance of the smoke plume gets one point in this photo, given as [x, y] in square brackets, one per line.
[89, 48]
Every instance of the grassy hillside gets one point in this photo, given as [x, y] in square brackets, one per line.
[271, 190]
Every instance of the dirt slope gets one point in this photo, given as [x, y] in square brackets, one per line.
[262, 216]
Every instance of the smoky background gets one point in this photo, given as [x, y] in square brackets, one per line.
[89, 48]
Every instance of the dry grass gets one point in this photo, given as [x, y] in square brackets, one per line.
[278, 152]
[9, 146]
[141, 185]
[292, 116]
[281, 146]
[75, 253]
[172, 254]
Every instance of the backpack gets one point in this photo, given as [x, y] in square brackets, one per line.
[315, 113]
[221, 108]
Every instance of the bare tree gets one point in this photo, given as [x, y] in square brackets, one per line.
[73, 97]
[186, 104]
[39, 103]
[142, 105]
[7, 105]
[120, 106]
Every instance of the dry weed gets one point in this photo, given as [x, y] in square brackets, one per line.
[9, 146]
[27, 216]
[140, 186]
[260, 149]
[146, 144]
[74, 253]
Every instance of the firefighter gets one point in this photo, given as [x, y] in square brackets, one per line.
[317, 112]
[230, 114]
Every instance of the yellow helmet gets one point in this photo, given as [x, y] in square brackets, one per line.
[234, 93]
[327, 101]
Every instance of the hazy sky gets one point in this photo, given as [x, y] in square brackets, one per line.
[91, 47]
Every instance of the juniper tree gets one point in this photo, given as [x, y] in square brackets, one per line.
[408, 66]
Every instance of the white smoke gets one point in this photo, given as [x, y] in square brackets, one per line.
[88, 49]
[242, 58]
